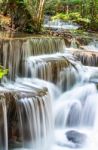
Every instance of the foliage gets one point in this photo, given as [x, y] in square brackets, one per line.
[83, 12]
[65, 17]
[58, 6]
[74, 16]
[62, 16]
[25, 15]
[4, 21]
[15, 10]
[28, 15]
[3, 72]
[35, 9]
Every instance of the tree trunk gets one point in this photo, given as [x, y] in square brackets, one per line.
[83, 8]
[40, 12]
[92, 10]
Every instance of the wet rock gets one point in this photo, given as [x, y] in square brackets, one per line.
[87, 58]
[67, 41]
[76, 137]
[14, 144]
[84, 40]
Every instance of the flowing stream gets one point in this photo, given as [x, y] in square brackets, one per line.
[59, 24]
[49, 100]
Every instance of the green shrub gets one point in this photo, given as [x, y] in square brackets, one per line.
[3, 72]
[74, 16]
[62, 16]
[66, 17]
[94, 25]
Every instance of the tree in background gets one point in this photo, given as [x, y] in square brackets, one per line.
[92, 9]
[36, 11]
[24, 14]
[65, 6]
[84, 7]
[88, 8]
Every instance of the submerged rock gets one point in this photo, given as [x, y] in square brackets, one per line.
[76, 137]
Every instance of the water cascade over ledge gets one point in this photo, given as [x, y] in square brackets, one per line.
[29, 116]
[13, 52]
[56, 68]
[49, 100]
[87, 58]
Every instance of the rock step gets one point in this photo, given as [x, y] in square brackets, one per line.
[47, 67]
[21, 100]
[14, 52]
[87, 58]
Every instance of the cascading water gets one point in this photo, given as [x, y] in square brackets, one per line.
[3, 123]
[76, 118]
[14, 52]
[46, 66]
[35, 113]
[29, 116]
[58, 24]
[91, 46]
[87, 58]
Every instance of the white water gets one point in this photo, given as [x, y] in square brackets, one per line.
[58, 24]
[34, 110]
[82, 117]
[46, 116]
[56, 68]
[92, 46]
[77, 110]
[3, 125]
[16, 51]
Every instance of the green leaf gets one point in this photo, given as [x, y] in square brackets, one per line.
[3, 72]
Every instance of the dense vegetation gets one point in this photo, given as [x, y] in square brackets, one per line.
[28, 15]
[22, 15]
[83, 12]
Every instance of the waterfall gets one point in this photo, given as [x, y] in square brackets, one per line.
[68, 78]
[73, 104]
[87, 58]
[47, 67]
[74, 43]
[58, 69]
[29, 115]
[48, 101]
[34, 112]
[76, 118]
[90, 110]
[15, 51]
[59, 24]
[3, 124]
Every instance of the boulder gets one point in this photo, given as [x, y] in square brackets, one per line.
[76, 137]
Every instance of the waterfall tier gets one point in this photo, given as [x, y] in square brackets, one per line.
[88, 58]
[56, 68]
[27, 121]
[13, 52]
[28, 100]
[47, 67]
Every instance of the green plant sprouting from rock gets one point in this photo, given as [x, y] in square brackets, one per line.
[3, 72]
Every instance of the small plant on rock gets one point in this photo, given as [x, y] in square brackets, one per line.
[3, 72]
